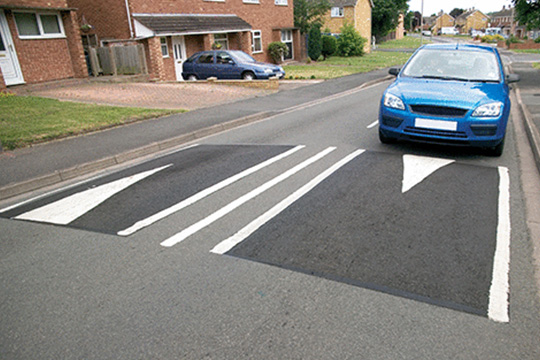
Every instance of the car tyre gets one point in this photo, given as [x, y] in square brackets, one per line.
[248, 75]
[192, 78]
[385, 139]
[496, 151]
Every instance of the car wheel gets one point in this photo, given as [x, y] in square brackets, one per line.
[385, 139]
[248, 75]
[192, 78]
[496, 151]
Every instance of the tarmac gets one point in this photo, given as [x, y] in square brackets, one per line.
[39, 166]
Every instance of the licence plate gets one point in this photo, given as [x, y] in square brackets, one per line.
[436, 124]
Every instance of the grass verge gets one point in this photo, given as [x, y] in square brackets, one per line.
[407, 42]
[527, 51]
[536, 66]
[336, 66]
[26, 120]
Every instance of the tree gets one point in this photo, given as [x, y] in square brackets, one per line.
[329, 46]
[309, 12]
[385, 15]
[527, 12]
[456, 12]
[314, 42]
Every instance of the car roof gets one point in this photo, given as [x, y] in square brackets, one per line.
[458, 46]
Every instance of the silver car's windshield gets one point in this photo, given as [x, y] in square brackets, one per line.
[457, 65]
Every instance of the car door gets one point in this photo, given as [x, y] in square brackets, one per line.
[204, 66]
[226, 67]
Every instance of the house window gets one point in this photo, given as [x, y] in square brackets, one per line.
[337, 12]
[257, 41]
[164, 47]
[251, 1]
[36, 25]
[281, 2]
[221, 39]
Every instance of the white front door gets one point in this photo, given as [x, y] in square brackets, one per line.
[179, 50]
[9, 63]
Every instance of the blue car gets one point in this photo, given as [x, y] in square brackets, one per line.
[452, 94]
[228, 64]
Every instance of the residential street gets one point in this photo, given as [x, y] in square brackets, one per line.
[296, 236]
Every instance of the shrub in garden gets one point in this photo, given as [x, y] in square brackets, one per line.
[277, 51]
[329, 46]
[314, 42]
[537, 40]
[350, 43]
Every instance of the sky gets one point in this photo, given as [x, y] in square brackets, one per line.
[434, 6]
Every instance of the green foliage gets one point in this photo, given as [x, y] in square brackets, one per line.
[314, 43]
[528, 13]
[492, 39]
[277, 51]
[385, 15]
[512, 40]
[309, 12]
[537, 40]
[350, 43]
[329, 46]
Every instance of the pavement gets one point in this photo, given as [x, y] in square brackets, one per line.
[217, 108]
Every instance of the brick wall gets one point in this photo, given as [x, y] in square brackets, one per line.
[37, 3]
[108, 17]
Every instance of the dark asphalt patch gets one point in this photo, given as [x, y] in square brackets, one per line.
[434, 243]
[193, 170]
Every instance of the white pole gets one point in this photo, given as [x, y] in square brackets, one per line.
[422, 24]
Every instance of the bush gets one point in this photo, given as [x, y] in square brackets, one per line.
[537, 40]
[350, 43]
[277, 51]
[329, 46]
[314, 42]
[492, 38]
[512, 40]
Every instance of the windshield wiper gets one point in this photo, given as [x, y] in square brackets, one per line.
[438, 77]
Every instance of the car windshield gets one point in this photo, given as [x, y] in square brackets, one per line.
[242, 57]
[460, 65]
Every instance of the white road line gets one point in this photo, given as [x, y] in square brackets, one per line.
[498, 293]
[241, 235]
[417, 168]
[204, 193]
[373, 124]
[72, 207]
[241, 200]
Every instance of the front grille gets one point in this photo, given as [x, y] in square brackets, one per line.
[438, 110]
[445, 133]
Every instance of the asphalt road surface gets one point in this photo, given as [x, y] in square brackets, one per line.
[298, 237]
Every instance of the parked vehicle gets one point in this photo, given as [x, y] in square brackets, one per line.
[449, 31]
[452, 94]
[228, 64]
[426, 32]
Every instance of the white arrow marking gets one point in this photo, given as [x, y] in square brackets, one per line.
[417, 168]
[72, 207]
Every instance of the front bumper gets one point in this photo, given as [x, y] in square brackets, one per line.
[464, 131]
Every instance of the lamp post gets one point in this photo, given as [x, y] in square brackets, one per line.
[422, 24]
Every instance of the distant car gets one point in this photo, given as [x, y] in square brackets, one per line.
[452, 94]
[228, 64]
[448, 31]
[426, 32]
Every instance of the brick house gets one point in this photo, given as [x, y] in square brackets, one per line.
[356, 12]
[472, 20]
[39, 41]
[442, 20]
[172, 30]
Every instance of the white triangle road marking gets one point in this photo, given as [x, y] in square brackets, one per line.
[417, 168]
[66, 210]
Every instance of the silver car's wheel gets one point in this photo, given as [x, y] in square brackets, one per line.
[192, 78]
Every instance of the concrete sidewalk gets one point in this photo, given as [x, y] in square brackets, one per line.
[42, 165]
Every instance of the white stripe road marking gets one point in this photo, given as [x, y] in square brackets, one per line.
[241, 235]
[373, 124]
[72, 207]
[204, 193]
[498, 292]
[181, 236]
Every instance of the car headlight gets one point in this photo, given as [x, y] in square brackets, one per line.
[393, 102]
[488, 110]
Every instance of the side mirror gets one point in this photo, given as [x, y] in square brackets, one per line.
[512, 78]
[394, 71]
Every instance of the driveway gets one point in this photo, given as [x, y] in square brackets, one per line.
[187, 96]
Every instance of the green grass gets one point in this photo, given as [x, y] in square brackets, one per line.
[536, 65]
[407, 42]
[336, 66]
[26, 120]
[527, 51]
